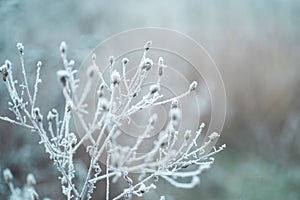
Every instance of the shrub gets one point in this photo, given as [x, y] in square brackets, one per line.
[115, 105]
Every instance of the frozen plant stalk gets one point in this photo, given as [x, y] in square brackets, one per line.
[114, 106]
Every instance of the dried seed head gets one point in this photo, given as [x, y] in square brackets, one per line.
[154, 88]
[69, 105]
[63, 75]
[147, 64]
[174, 104]
[94, 57]
[20, 47]
[10, 104]
[193, 86]
[91, 71]
[52, 114]
[125, 61]
[38, 116]
[148, 45]
[4, 72]
[187, 134]
[100, 91]
[153, 119]
[160, 71]
[135, 94]
[72, 139]
[175, 114]
[36, 111]
[115, 78]
[160, 61]
[30, 180]
[142, 188]
[63, 181]
[202, 126]
[103, 104]
[39, 64]
[8, 64]
[161, 66]
[3, 67]
[111, 60]
[71, 63]
[102, 86]
[214, 136]
[8, 176]
[63, 48]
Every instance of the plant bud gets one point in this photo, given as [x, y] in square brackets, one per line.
[214, 136]
[30, 180]
[39, 64]
[147, 64]
[153, 119]
[63, 75]
[8, 176]
[193, 86]
[111, 60]
[20, 47]
[8, 64]
[174, 104]
[38, 116]
[148, 45]
[175, 114]
[4, 72]
[187, 134]
[115, 78]
[125, 61]
[154, 88]
[63, 48]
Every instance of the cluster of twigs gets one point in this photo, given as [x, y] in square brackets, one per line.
[114, 106]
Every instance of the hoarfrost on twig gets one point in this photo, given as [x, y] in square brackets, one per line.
[114, 103]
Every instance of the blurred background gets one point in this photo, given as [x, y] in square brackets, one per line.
[255, 45]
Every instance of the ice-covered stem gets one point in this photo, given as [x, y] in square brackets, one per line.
[49, 148]
[21, 50]
[143, 65]
[136, 81]
[96, 154]
[124, 63]
[115, 80]
[131, 189]
[195, 181]
[91, 72]
[192, 87]
[107, 170]
[63, 53]
[37, 81]
[62, 144]
[34, 116]
[17, 102]
[16, 122]
[139, 140]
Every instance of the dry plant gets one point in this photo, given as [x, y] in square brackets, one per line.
[114, 106]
